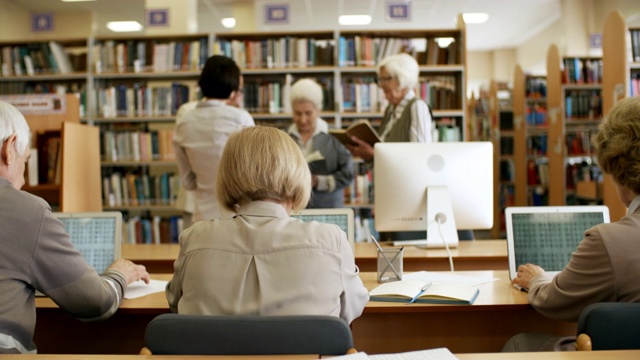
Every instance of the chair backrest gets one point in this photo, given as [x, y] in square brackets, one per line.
[175, 334]
[610, 326]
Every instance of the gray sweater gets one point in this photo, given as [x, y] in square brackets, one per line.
[37, 254]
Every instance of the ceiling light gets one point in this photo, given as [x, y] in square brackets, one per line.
[354, 19]
[124, 26]
[444, 42]
[229, 22]
[475, 18]
[76, 0]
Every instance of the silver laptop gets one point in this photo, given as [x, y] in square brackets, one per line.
[343, 217]
[97, 235]
[548, 235]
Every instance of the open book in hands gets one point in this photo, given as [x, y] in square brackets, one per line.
[423, 292]
[361, 129]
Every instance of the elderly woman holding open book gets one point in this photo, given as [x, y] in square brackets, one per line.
[406, 118]
[330, 162]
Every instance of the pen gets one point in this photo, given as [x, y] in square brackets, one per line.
[389, 263]
[424, 288]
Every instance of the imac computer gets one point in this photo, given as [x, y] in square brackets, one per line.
[433, 187]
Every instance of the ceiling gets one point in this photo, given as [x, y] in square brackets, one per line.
[511, 22]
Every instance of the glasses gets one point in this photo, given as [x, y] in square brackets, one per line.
[384, 79]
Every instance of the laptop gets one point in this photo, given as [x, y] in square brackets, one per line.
[97, 235]
[343, 217]
[548, 235]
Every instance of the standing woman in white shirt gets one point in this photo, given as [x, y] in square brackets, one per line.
[202, 133]
[406, 118]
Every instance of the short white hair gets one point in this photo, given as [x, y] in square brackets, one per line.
[402, 67]
[307, 90]
[13, 122]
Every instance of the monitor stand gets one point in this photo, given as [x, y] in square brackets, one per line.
[439, 209]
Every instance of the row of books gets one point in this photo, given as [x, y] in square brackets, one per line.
[538, 196]
[634, 84]
[282, 52]
[360, 50]
[537, 145]
[582, 71]
[507, 170]
[507, 197]
[582, 171]
[155, 230]
[447, 132]
[506, 145]
[634, 40]
[360, 191]
[537, 173]
[506, 121]
[578, 143]
[536, 115]
[132, 189]
[535, 87]
[41, 58]
[149, 56]
[583, 104]
[138, 145]
[153, 98]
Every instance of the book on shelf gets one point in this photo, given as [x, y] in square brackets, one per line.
[361, 129]
[424, 292]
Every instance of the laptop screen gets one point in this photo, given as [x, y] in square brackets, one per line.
[96, 235]
[342, 217]
[548, 236]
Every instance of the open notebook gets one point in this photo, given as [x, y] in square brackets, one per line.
[548, 235]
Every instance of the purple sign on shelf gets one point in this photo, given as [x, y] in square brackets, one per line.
[158, 17]
[42, 22]
[276, 13]
[398, 11]
[595, 41]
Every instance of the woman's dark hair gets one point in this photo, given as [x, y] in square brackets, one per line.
[219, 77]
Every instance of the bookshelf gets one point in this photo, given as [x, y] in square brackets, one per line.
[130, 88]
[582, 99]
[502, 136]
[530, 132]
[69, 176]
[555, 132]
[615, 82]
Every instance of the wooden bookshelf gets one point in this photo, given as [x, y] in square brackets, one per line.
[77, 177]
[615, 84]
[555, 130]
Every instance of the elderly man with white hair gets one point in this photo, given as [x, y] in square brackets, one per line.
[37, 253]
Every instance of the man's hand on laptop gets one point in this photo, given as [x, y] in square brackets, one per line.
[525, 274]
[131, 271]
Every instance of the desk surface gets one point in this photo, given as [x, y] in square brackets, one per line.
[469, 255]
[499, 312]
[583, 355]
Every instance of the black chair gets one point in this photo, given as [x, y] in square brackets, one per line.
[175, 334]
[609, 326]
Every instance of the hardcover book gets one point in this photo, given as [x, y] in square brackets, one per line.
[361, 129]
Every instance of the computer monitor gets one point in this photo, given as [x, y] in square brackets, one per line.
[97, 235]
[433, 187]
[343, 217]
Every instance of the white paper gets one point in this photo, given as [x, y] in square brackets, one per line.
[440, 277]
[138, 288]
[431, 354]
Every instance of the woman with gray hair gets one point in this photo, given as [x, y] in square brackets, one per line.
[330, 162]
[407, 118]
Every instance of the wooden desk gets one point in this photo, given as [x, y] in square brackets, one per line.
[584, 355]
[470, 255]
[565, 355]
[500, 312]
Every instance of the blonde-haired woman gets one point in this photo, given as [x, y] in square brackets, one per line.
[262, 261]
[331, 164]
